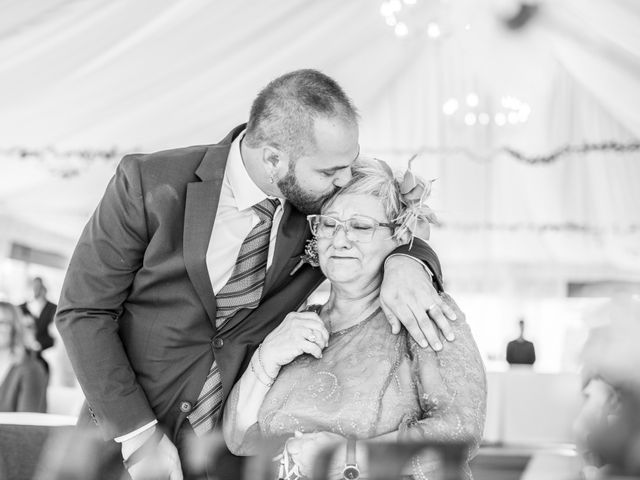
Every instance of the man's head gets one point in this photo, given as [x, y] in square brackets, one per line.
[303, 135]
[38, 288]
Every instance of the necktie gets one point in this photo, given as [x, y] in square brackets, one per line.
[242, 290]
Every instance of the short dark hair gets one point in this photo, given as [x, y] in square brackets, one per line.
[283, 113]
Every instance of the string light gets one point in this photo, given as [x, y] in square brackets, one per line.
[397, 15]
[70, 163]
[565, 227]
[514, 154]
[510, 111]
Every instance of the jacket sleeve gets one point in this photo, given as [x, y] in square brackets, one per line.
[100, 275]
[421, 250]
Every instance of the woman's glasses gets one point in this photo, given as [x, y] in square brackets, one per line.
[357, 229]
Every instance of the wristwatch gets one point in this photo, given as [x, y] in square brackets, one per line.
[351, 470]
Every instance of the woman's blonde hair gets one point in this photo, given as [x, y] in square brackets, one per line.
[17, 344]
[373, 177]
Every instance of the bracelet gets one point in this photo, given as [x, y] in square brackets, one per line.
[266, 384]
[262, 364]
[143, 450]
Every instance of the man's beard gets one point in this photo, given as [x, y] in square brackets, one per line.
[303, 201]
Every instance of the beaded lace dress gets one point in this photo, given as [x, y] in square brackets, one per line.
[370, 382]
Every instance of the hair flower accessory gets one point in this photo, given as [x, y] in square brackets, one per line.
[310, 256]
[417, 215]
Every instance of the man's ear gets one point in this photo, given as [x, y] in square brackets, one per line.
[271, 157]
[274, 161]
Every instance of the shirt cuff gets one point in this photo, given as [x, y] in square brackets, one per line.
[138, 431]
[426, 268]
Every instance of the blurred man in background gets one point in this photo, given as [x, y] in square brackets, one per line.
[521, 351]
[41, 311]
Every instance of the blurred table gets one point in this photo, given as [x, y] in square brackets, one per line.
[553, 465]
[526, 407]
[22, 437]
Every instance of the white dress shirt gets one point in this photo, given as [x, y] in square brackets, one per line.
[235, 218]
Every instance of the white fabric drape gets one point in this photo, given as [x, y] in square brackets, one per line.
[155, 74]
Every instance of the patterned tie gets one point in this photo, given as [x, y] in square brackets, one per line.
[242, 290]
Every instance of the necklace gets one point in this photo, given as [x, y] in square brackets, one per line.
[365, 315]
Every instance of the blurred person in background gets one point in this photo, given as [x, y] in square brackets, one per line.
[521, 351]
[23, 379]
[42, 312]
[608, 426]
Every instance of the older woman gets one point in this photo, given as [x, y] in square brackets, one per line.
[23, 380]
[344, 373]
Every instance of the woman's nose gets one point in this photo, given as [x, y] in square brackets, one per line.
[340, 238]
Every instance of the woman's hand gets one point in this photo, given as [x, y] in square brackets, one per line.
[305, 447]
[299, 333]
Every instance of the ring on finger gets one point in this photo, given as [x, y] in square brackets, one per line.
[312, 336]
[431, 306]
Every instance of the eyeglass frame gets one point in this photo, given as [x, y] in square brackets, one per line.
[347, 231]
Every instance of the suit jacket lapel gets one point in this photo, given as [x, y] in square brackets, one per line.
[199, 215]
[293, 231]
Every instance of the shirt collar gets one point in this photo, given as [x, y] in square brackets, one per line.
[245, 192]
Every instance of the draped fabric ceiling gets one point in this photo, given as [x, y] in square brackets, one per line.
[152, 74]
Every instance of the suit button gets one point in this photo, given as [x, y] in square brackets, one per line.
[185, 407]
[218, 342]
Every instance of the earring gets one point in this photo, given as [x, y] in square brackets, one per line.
[271, 179]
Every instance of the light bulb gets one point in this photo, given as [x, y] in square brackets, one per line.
[433, 30]
[401, 29]
[450, 106]
[470, 119]
[473, 100]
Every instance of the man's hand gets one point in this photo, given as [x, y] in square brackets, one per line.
[160, 461]
[408, 297]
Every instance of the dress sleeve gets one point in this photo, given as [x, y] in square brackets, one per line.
[452, 390]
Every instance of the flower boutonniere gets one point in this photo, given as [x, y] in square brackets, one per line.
[310, 256]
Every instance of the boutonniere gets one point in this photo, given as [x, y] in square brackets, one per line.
[310, 256]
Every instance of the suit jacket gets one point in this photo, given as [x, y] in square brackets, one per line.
[137, 309]
[42, 323]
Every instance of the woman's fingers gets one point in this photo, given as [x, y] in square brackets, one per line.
[311, 348]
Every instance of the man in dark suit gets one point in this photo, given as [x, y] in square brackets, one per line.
[140, 308]
[521, 351]
[41, 311]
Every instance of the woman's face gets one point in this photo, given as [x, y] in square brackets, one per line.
[343, 259]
